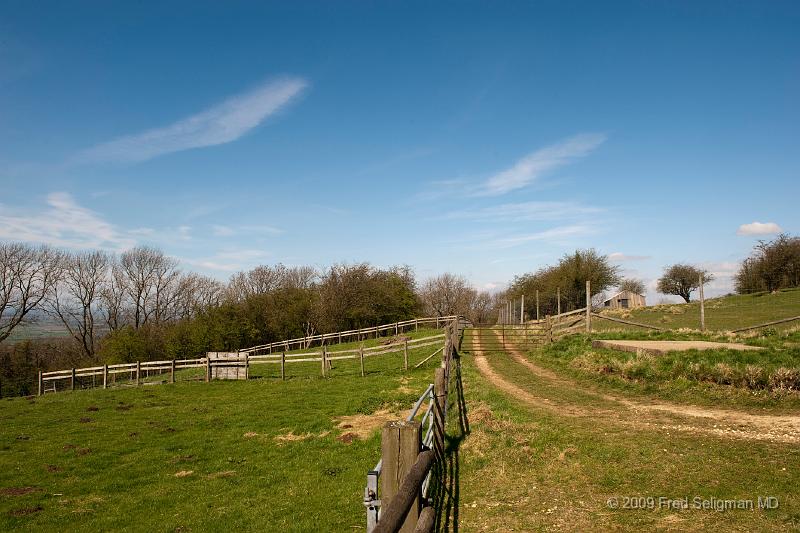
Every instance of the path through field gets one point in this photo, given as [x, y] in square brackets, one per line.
[546, 453]
[723, 422]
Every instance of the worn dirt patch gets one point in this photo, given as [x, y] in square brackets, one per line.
[85, 420]
[184, 473]
[92, 408]
[225, 473]
[292, 437]
[347, 438]
[662, 347]
[250, 435]
[363, 426]
[18, 491]
[54, 468]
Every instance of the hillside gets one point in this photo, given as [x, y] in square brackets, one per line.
[722, 314]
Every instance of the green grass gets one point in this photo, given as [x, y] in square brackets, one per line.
[529, 469]
[722, 314]
[107, 460]
[710, 377]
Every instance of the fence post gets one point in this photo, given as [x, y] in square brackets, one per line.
[172, 372]
[549, 329]
[400, 446]
[324, 362]
[558, 297]
[283, 366]
[588, 306]
[72, 384]
[105, 376]
[537, 305]
[702, 306]
[416, 324]
[361, 358]
[405, 355]
[440, 394]
[208, 368]
[522, 310]
[246, 366]
[138, 373]
[41, 383]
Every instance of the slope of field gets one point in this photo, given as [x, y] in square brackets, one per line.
[256, 455]
[722, 314]
[563, 455]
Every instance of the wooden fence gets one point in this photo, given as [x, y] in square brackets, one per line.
[396, 496]
[215, 365]
[350, 335]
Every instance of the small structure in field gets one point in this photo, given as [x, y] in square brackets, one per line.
[624, 300]
[228, 365]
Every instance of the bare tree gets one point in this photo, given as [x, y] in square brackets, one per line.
[27, 274]
[196, 292]
[113, 296]
[447, 294]
[75, 298]
[149, 278]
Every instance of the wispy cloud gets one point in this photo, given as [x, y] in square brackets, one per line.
[228, 261]
[619, 257]
[526, 211]
[537, 163]
[759, 228]
[62, 223]
[559, 236]
[218, 230]
[220, 124]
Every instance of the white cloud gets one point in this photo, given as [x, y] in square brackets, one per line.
[535, 164]
[63, 223]
[759, 228]
[220, 124]
[559, 235]
[619, 257]
[528, 211]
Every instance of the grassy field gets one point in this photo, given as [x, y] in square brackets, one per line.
[555, 464]
[768, 379]
[722, 314]
[262, 454]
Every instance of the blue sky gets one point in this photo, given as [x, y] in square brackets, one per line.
[484, 138]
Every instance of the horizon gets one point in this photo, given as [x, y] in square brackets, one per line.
[485, 141]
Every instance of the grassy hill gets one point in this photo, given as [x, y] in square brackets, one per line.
[722, 314]
[258, 455]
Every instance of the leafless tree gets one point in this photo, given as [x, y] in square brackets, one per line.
[76, 297]
[113, 296]
[27, 274]
[265, 279]
[149, 277]
[196, 292]
[447, 294]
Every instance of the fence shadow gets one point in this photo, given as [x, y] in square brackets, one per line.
[446, 496]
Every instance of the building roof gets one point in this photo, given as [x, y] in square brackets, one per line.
[621, 292]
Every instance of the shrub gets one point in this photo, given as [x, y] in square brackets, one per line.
[785, 379]
[755, 377]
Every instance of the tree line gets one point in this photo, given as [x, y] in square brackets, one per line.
[139, 306]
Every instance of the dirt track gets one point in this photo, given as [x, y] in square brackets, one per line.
[684, 418]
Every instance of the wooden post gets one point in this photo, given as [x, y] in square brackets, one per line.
[396, 330]
[283, 366]
[172, 372]
[41, 383]
[522, 310]
[361, 358]
[105, 376]
[405, 355]
[588, 306]
[440, 395]
[558, 297]
[208, 369]
[549, 326]
[138, 373]
[246, 366]
[324, 362]
[537, 305]
[416, 324]
[702, 306]
[72, 383]
[400, 446]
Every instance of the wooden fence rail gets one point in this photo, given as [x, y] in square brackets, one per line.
[408, 457]
[138, 369]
